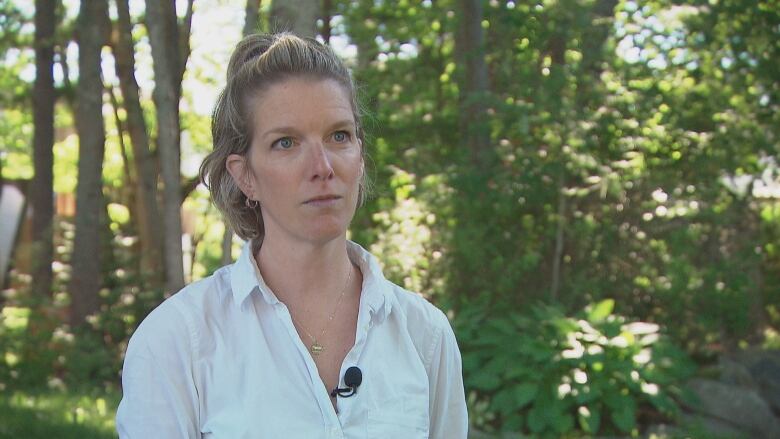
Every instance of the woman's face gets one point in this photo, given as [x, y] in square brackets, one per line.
[305, 161]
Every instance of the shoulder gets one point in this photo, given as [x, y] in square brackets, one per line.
[418, 311]
[415, 316]
[427, 325]
[179, 319]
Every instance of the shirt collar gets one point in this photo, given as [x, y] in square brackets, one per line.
[245, 278]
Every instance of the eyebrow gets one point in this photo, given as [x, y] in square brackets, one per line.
[292, 130]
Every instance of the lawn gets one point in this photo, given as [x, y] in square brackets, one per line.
[61, 415]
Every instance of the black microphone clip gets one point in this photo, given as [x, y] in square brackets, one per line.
[352, 379]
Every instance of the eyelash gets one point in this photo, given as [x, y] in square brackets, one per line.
[346, 133]
[276, 143]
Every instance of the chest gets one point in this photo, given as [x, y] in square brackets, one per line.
[267, 387]
[332, 350]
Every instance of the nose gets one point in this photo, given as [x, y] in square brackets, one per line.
[321, 167]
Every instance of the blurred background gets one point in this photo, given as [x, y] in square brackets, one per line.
[588, 188]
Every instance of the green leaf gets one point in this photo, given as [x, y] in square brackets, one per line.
[471, 361]
[485, 380]
[589, 419]
[601, 310]
[562, 422]
[504, 401]
[514, 422]
[503, 326]
[537, 420]
[624, 416]
[525, 393]
[585, 398]
[663, 403]
[518, 371]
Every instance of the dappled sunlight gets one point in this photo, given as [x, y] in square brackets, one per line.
[589, 190]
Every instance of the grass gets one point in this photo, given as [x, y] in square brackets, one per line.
[61, 415]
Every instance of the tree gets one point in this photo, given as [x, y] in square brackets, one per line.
[86, 278]
[476, 155]
[327, 12]
[470, 51]
[296, 16]
[146, 212]
[170, 50]
[251, 17]
[41, 190]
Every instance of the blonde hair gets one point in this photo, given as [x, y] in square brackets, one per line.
[258, 62]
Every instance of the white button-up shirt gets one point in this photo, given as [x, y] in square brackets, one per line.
[222, 359]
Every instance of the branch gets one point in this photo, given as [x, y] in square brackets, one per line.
[185, 28]
[188, 186]
[67, 90]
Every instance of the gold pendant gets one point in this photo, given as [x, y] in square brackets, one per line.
[316, 348]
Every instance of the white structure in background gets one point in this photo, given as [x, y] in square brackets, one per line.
[11, 209]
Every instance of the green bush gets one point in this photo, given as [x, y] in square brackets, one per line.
[39, 349]
[548, 374]
[58, 414]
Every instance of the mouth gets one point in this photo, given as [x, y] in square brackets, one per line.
[322, 199]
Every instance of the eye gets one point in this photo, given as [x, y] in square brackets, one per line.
[341, 136]
[283, 143]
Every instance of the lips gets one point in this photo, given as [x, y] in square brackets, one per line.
[322, 198]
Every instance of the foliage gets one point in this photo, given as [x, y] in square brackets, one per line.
[634, 150]
[73, 415]
[548, 374]
[39, 349]
[406, 242]
[633, 145]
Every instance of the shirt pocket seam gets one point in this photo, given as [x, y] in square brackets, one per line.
[397, 413]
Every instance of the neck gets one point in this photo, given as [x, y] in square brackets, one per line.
[303, 272]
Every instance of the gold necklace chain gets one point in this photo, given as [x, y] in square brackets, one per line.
[315, 348]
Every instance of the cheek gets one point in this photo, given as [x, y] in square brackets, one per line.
[272, 183]
[354, 166]
[276, 180]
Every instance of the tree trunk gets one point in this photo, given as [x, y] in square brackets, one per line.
[470, 52]
[42, 188]
[87, 258]
[327, 11]
[147, 211]
[126, 193]
[296, 16]
[183, 30]
[474, 180]
[163, 29]
[252, 17]
[559, 236]
[66, 90]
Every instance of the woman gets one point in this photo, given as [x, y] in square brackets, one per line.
[261, 348]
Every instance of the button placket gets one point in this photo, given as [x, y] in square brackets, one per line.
[352, 359]
[317, 387]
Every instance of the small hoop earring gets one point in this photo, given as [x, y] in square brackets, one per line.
[249, 204]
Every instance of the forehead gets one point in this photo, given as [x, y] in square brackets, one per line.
[294, 100]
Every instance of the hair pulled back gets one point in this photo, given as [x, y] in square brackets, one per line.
[258, 62]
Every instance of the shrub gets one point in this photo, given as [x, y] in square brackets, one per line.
[548, 374]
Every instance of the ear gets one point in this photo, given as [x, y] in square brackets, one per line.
[238, 168]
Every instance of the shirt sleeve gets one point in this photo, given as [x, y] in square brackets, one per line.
[159, 397]
[449, 416]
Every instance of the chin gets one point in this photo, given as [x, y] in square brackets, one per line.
[327, 232]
